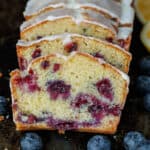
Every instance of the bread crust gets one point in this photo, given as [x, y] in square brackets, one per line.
[41, 126]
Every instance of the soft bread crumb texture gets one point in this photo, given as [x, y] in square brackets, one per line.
[67, 24]
[79, 70]
[112, 54]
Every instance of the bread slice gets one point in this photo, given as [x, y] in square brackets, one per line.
[82, 21]
[66, 43]
[78, 92]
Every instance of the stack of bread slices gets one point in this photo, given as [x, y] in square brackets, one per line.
[73, 60]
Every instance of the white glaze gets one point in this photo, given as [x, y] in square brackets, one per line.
[76, 14]
[34, 6]
[124, 32]
[127, 12]
[122, 10]
[66, 39]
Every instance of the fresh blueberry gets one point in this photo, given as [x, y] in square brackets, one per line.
[132, 140]
[147, 102]
[145, 65]
[3, 105]
[31, 141]
[99, 142]
[143, 85]
[145, 145]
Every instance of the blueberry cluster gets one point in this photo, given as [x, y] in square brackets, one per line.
[132, 141]
[136, 141]
[143, 82]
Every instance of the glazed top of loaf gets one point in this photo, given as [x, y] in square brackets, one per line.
[122, 9]
[111, 5]
[78, 15]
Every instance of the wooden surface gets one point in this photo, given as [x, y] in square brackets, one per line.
[133, 118]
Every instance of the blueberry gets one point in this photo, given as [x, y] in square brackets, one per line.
[3, 105]
[145, 145]
[143, 85]
[145, 65]
[99, 142]
[132, 140]
[31, 141]
[147, 102]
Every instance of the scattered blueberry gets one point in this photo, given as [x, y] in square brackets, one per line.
[104, 87]
[31, 141]
[36, 53]
[58, 88]
[70, 47]
[99, 142]
[3, 105]
[145, 145]
[132, 140]
[145, 65]
[143, 85]
[147, 102]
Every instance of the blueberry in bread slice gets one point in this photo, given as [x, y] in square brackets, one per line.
[67, 43]
[82, 21]
[77, 92]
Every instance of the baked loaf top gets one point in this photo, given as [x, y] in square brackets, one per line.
[78, 14]
[76, 92]
[66, 43]
[121, 10]
[111, 5]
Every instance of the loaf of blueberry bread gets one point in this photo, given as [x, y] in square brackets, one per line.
[66, 43]
[121, 12]
[76, 92]
[82, 21]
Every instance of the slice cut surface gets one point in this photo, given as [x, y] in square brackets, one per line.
[78, 92]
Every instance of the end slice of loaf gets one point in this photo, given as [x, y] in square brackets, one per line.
[78, 92]
[66, 43]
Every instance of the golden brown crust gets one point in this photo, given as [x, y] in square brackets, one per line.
[105, 129]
